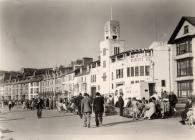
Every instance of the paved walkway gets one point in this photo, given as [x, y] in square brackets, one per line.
[24, 125]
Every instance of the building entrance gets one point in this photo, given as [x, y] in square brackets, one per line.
[151, 88]
[93, 92]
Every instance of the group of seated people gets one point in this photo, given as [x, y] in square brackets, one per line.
[147, 109]
[189, 112]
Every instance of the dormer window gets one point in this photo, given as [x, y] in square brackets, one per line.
[186, 29]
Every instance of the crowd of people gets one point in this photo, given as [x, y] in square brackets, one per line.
[156, 106]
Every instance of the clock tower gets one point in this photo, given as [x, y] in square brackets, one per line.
[112, 30]
[111, 45]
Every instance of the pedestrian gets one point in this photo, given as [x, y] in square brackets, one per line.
[10, 104]
[120, 103]
[78, 104]
[98, 108]
[86, 110]
[50, 103]
[173, 101]
[150, 109]
[39, 107]
[135, 108]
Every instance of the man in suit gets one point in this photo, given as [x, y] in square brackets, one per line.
[121, 103]
[39, 107]
[173, 101]
[86, 110]
[78, 104]
[98, 108]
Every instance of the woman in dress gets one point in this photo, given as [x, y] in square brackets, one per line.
[151, 109]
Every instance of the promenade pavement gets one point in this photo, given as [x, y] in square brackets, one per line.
[23, 125]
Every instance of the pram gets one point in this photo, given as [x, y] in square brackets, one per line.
[190, 117]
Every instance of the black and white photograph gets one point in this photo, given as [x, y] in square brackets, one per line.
[97, 69]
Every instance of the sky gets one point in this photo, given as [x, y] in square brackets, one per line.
[48, 33]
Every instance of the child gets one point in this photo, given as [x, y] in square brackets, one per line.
[135, 108]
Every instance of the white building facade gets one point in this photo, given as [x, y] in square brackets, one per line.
[183, 53]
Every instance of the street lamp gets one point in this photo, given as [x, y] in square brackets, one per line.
[54, 70]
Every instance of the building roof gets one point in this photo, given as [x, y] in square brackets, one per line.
[132, 51]
[178, 27]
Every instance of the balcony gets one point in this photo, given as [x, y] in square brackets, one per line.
[184, 78]
[182, 56]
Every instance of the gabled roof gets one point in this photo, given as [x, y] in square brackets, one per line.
[178, 27]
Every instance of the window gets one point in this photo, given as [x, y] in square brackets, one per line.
[132, 82]
[136, 71]
[112, 86]
[184, 67]
[104, 76]
[136, 81]
[184, 88]
[163, 83]
[132, 71]
[104, 64]
[31, 90]
[147, 70]
[119, 73]
[186, 30]
[116, 50]
[104, 51]
[114, 37]
[128, 72]
[81, 79]
[141, 70]
[93, 78]
[184, 47]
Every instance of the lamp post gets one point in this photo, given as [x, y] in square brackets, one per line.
[54, 70]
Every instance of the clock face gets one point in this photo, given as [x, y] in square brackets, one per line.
[115, 29]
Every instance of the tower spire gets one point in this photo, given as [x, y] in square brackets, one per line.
[111, 12]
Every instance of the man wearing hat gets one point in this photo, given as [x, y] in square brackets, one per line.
[78, 104]
[98, 108]
[86, 110]
[121, 103]
[39, 107]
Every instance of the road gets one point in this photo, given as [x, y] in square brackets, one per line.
[24, 125]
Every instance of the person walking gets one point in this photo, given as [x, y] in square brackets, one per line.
[121, 104]
[98, 108]
[39, 107]
[173, 101]
[86, 110]
[78, 104]
[10, 104]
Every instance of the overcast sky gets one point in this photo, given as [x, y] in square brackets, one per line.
[45, 33]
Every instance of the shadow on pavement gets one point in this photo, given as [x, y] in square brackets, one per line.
[7, 131]
[57, 116]
[121, 122]
[14, 119]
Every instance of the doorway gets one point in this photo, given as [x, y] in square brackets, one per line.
[93, 92]
[151, 88]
